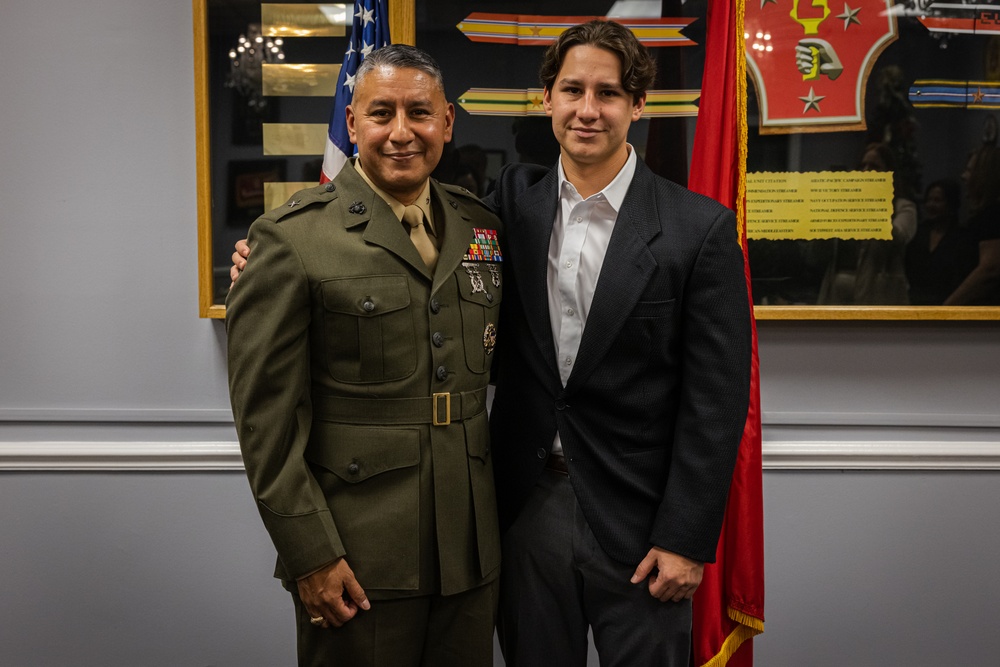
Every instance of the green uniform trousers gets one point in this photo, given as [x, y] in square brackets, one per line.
[425, 631]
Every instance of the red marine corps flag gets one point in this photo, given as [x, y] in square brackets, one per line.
[810, 64]
[729, 604]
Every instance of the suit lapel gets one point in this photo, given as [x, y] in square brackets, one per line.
[627, 268]
[529, 235]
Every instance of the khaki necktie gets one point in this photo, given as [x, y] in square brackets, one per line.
[414, 217]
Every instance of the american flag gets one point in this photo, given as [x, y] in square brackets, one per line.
[370, 31]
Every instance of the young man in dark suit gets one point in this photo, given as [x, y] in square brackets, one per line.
[622, 377]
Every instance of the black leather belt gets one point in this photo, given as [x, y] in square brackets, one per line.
[439, 409]
[557, 464]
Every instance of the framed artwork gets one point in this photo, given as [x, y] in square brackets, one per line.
[265, 75]
[873, 166]
[873, 172]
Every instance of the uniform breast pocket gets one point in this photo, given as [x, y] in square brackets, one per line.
[480, 288]
[368, 328]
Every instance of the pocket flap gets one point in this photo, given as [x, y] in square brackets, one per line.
[365, 296]
[356, 453]
[491, 294]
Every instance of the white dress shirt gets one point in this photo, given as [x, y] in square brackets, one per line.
[580, 237]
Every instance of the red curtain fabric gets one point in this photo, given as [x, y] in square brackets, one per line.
[729, 604]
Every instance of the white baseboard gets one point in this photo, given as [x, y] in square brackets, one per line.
[222, 456]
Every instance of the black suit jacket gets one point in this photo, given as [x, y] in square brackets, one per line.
[652, 414]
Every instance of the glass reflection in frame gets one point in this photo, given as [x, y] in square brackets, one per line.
[930, 105]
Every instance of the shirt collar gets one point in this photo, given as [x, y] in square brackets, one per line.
[615, 191]
[423, 202]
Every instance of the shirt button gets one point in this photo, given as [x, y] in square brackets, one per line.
[569, 361]
[437, 339]
[579, 219]
[540, 452]
[569, 311]
[368, 305]
[435, 306]
[569, 265]
[442, 373]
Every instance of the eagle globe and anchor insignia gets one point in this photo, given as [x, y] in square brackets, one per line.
[489, 338]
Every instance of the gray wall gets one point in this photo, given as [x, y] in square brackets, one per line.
[127, 533]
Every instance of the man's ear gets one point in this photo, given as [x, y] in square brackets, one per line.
[638, 107]
[547, 101]
[351, 133]
[449, 122]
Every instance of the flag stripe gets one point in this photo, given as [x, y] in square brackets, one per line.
[729, 604]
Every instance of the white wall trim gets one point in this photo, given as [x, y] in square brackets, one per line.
[209, 456]
[768, 417]
[883, 455]
[165, 456]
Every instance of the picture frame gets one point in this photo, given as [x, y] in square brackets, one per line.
[231, 158]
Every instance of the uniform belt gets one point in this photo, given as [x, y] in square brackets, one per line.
[440, 409]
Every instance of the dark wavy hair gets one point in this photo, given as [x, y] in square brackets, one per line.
[638, 69]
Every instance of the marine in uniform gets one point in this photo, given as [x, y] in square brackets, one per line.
[358, 374]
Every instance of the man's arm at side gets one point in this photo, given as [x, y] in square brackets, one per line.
[714, 396]
[267, 320]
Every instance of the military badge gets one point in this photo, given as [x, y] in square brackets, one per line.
[489, 338]
[810, 64]
[475, 278]
[357, 208]
[484, 246]
[494, 274]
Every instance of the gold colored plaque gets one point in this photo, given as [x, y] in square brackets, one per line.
[304, 20]
[304, 80]
[294, 138]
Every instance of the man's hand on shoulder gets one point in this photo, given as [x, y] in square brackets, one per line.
[239, 260]
[677, 577]
[333, 594]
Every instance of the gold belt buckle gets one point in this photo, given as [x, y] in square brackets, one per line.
[447, 409]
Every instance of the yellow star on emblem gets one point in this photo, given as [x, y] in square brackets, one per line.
[536, 30]
[977, 96]
[535, 102]
[812, 101]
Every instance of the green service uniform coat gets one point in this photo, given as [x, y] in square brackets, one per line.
[358, 384]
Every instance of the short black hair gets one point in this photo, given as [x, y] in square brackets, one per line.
[399, 56]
